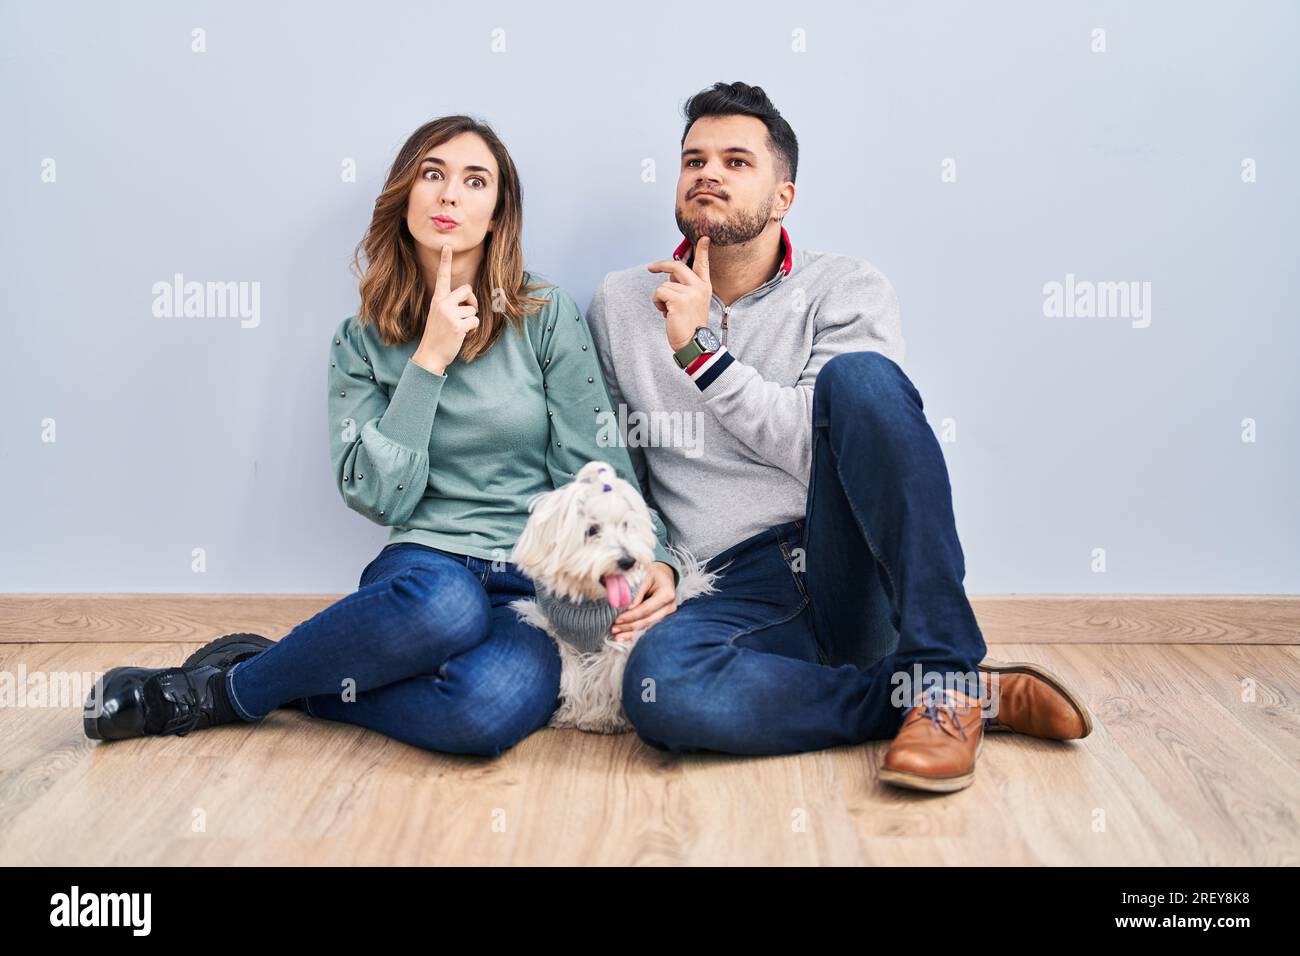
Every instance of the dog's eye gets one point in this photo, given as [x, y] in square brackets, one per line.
[593, 529]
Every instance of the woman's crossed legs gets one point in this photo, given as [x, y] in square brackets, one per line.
[425, 650]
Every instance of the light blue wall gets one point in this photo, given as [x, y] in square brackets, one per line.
[1071, 433]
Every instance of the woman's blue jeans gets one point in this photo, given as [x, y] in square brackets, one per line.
[816, 620]
[426, 650]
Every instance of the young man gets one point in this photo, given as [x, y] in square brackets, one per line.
[779, 439]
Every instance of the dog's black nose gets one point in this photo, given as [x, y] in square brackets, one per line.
[626, 562]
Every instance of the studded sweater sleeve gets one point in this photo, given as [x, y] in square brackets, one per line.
[379, 445]
[579, 406]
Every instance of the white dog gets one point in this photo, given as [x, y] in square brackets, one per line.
[587, 546]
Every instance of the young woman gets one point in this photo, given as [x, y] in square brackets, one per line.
[460, 389]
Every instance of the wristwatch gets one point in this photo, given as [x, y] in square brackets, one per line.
[702, 341]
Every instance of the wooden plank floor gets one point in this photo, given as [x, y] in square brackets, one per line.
[1182, 768]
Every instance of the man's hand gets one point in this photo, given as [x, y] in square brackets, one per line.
[654, 602]
[684, 299]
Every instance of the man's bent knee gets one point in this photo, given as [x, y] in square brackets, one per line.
[862, 381]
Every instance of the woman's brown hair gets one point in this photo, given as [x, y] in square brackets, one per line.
[394, 295]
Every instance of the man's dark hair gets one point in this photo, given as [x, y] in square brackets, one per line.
[741, 99]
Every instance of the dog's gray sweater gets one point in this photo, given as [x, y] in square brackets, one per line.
[583, 625]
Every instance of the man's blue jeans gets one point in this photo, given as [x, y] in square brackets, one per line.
[430, 646]
[799, 648]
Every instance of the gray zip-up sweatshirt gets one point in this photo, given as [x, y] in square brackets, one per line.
[723, 451]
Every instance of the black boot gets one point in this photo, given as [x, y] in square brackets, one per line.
[229, 650]
[146, 701]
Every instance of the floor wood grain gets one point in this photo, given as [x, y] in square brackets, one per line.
[1016, 618]
[1194, 759]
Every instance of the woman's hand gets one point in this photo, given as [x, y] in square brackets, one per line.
[654, 602]
[453, 313]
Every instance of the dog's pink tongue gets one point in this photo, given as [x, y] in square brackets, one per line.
[617, 590]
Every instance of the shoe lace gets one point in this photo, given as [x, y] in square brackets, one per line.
[933, 711]
[177, 698]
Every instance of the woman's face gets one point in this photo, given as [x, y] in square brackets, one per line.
[454, 195]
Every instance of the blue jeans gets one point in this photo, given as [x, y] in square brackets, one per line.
[813, 619]
[431, 649]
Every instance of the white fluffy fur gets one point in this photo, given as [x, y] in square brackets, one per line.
[557, 553]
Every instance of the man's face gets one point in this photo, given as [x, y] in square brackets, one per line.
[728, 182]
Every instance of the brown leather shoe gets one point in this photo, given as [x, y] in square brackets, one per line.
[1034, 701]
[937, 745]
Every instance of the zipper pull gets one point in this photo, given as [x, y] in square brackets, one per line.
[725, 310]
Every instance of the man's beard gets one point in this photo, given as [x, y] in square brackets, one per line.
[737, 228]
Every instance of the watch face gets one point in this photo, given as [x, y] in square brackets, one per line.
[707, 340]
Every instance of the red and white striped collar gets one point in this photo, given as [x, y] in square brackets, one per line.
[786, 264]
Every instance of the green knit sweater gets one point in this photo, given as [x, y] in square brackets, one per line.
[451, 460]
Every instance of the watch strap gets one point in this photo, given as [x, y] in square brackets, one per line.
[688, 353]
